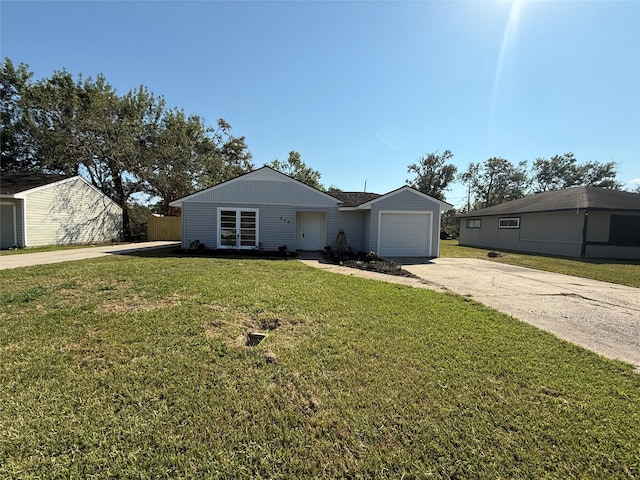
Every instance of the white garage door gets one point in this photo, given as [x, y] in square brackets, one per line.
[405, 234]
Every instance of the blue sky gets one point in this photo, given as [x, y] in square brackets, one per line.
[363, 89]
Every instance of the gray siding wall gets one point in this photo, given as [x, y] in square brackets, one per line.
[489, 235]
[199, 223]
[553, 233]
[71, 212]
[598, 231]
[265, 192]
[598, 226]
[352, 223]
[276, 224]
[406, 201]
[366, 237]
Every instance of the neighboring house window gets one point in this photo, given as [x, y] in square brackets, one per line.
[237, 228]
[509, 223]
[624, 230]
[474, 222]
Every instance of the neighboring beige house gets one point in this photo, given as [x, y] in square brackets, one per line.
[586, 222]
[268, 209]
[42, 209]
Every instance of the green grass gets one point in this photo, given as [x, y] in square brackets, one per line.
[623, 272]
[135, 367]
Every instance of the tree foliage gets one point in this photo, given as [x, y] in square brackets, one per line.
[563, 171]
[432, 174]
[180, 155]
[494, 181]
[14, 154]
[122, 144]
[296, 168]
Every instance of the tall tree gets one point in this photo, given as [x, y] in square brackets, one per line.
[560, 171]
[563, 171]
[598, 174]
[296, 168]
[122, 144]
[53, 115]
[494, 181]
[432, 174]
[180, 155]
[14, 145]
[235, 155]
[84, 127]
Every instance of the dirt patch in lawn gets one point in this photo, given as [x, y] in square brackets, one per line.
[137, 303]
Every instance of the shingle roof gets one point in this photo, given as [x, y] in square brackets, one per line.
[12, 183]
[352, 199]
[583, 198]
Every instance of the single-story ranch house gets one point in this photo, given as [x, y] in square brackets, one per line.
[41, 209]
[265, 208]
[586, 222]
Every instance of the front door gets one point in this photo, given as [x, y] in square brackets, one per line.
[7, 225]
[311, 230]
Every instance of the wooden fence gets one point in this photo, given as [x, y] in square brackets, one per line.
[164, 228]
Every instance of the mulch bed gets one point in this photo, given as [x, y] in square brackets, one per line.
[362, 262]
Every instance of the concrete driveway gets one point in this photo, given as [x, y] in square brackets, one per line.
[603, 317]
[41, 258]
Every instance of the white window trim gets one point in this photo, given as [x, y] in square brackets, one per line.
[238, 210]
[517, 225]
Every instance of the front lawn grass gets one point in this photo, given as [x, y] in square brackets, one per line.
[135, 367]
[622, 272]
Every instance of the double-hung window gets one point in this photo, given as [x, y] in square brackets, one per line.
[237, 228]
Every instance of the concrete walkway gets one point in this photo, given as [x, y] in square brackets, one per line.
[603, 317]
[42, 258]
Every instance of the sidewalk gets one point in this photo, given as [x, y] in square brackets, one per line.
[42, 258]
